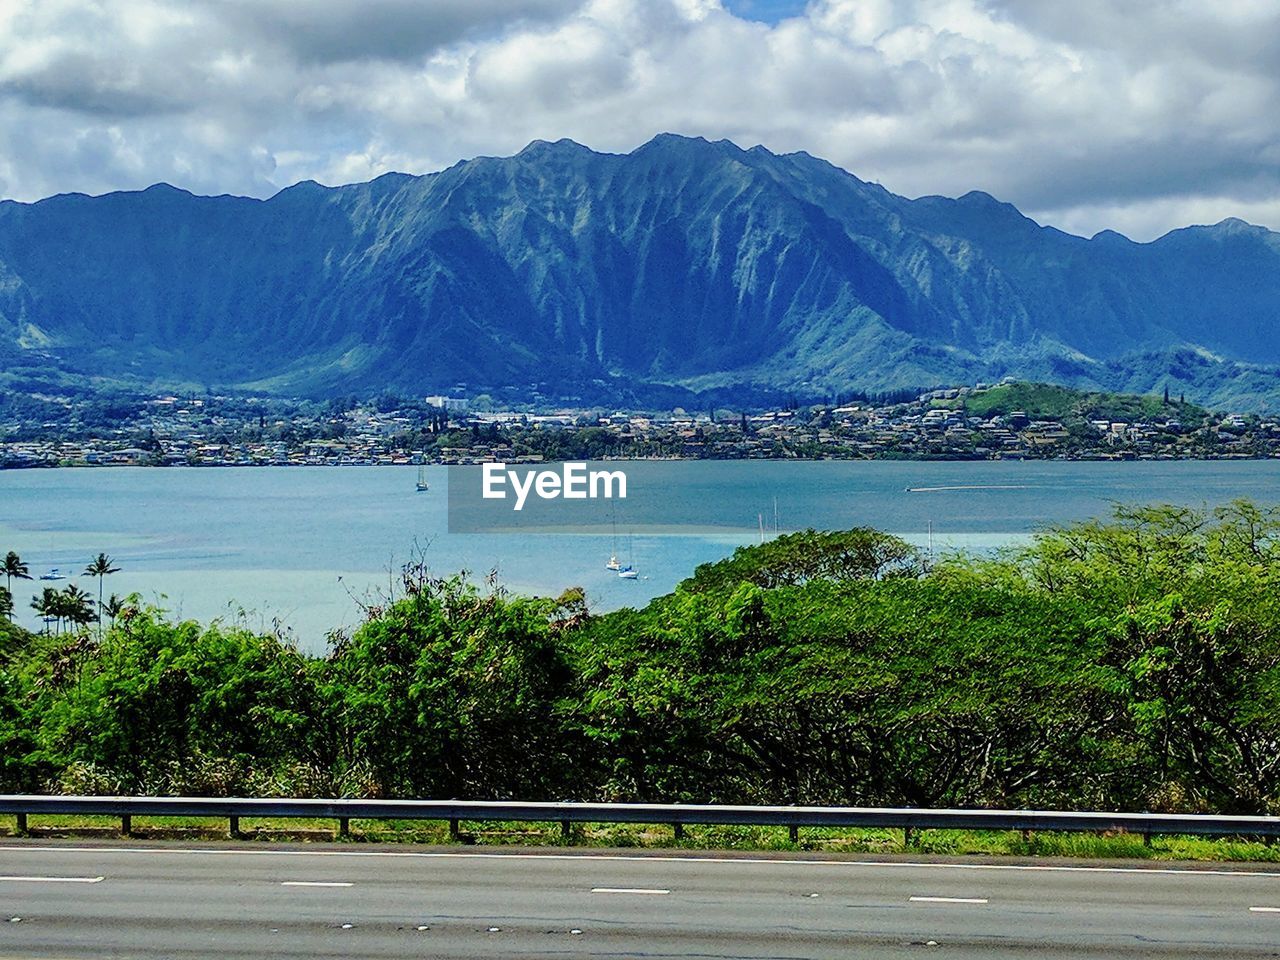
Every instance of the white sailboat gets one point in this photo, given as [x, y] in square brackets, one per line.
[422, 485]
[760, 521]
[613, 563]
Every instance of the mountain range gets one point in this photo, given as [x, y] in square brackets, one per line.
[685, 267]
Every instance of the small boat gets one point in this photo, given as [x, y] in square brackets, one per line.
[627, 571]
[613, 563]
[422, 485]
[53, 574]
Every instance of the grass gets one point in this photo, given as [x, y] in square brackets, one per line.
[1049, 401]
[848, 841]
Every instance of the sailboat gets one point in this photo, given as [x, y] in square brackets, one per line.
[613, 563]
[628, 572]
[777, 530]
[422, 485]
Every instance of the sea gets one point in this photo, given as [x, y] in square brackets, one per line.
[305, 551]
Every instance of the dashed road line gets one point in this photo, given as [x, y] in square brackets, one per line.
[1194, 872]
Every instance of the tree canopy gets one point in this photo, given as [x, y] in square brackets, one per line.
[1130, 664]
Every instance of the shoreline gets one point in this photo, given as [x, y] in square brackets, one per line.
[1101, 458]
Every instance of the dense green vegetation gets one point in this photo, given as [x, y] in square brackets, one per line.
[1052, 402]
[1130, 664]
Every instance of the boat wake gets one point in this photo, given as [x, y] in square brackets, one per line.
[971, 486]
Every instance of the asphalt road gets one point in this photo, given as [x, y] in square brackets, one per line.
[235, 900]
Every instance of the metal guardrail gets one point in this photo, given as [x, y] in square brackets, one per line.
[677, 815]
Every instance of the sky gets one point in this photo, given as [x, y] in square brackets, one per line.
[1134, 115]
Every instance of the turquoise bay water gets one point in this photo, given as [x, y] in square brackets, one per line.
[305, 545]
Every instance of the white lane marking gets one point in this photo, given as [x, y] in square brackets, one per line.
[948, 900]
[644, 890]
[1264, 909]
[623, 858]
[53, 879]
[313, 883]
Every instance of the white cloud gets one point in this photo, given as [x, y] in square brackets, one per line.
[1129, 114]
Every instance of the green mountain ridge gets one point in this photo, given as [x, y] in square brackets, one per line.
[686, 265]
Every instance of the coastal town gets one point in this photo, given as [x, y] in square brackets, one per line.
[1008, 420]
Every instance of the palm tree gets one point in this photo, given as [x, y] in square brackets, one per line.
[47, 604]
[112, 609]
[76, 606]
[6, 603]
[14, 568]
[100, 567]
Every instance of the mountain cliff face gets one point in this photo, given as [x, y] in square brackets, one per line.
[685, 262]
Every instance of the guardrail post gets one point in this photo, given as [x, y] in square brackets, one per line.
[21, 828]
[566, 831]
[234, 828]
[678, 829]
[793, 833]
[1026, 836]
[454, 833]
[126, 825]
[908, 835]
[1146, 838]
[344, 827]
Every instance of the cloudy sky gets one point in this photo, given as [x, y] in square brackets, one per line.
[1139, 115]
